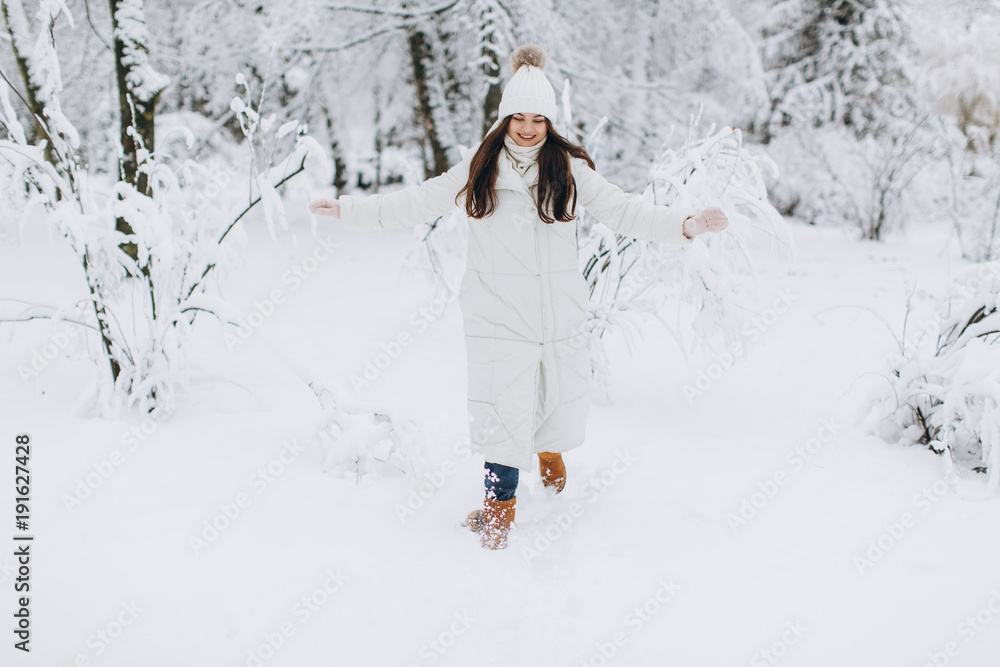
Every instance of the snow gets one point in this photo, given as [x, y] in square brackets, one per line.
[642, 557]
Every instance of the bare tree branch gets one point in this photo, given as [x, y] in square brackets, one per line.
[239, 217]
[28, 318]
[344, 47]
[440, 9]
[86, 7]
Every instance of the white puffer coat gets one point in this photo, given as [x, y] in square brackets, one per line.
[523, 300]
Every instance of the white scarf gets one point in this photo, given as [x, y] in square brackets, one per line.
[524, 159]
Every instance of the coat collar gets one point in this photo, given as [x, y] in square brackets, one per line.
[508, 178]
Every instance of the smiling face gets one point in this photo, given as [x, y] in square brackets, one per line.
[526, 129]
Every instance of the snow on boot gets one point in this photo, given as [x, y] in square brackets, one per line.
[492, 522]
[553, 470]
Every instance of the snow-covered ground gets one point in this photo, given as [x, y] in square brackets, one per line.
[752, 525]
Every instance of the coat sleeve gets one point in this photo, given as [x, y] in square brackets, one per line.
[629, 214]
[409, 206]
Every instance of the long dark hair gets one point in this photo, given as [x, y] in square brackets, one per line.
[556, 185]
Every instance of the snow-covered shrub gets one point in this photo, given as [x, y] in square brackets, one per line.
[140, 312]
[711, 281]
[147, 252]
[945, 380]
[835, 177]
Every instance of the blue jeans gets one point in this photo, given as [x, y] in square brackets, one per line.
[501, 481]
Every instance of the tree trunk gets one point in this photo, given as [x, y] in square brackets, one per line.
[377, 180]
[420, 55]
[339, 181]
[139, 88]
[16, 22]
[17, 27]
[494, 91]
[137, 97]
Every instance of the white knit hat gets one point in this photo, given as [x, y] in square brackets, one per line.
[528, 90]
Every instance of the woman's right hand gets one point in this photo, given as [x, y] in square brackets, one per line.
[710, 220]
[330, 207]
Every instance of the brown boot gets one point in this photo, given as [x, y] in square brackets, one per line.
[492, 522]
[553, 470]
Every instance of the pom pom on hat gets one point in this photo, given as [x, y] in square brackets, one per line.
[528, 54]
[528, 90]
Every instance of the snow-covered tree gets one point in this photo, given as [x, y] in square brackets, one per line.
[139, 88]
[844, 62]
[38, 64]
[493, 23]
[846, 119]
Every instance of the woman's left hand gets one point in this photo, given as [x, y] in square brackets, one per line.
[330, 207]
[710, 220]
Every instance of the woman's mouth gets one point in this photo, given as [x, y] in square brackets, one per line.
[528, 138]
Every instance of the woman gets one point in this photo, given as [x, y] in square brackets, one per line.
[523, 298]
